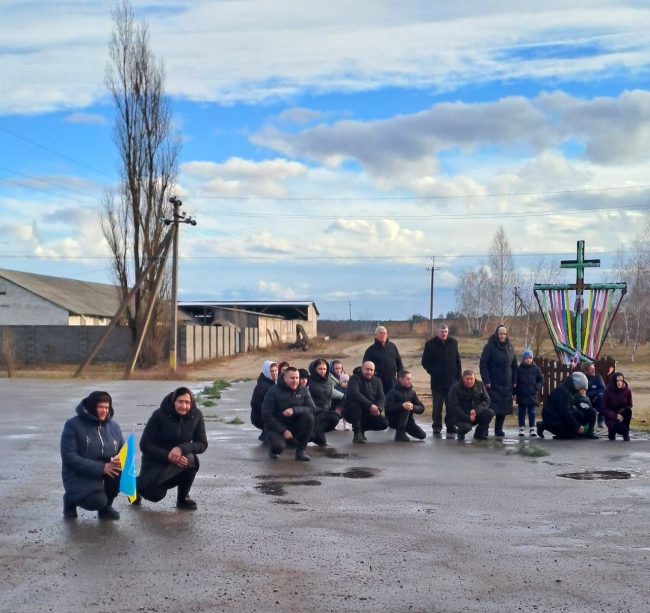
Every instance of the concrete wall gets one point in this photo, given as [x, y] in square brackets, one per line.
[198, 343]
[19, 307]
[68, 344]
[282, 330]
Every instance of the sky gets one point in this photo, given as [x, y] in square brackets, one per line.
[330, 149]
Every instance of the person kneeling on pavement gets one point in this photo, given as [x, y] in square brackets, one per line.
[562, 414]
[617, 407]
[401, 403]
[470, 403]
[91, 469]
[288, 414]
[172, 439]
[364, 402]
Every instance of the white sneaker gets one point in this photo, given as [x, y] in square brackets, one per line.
[521, 432]
[533, 432]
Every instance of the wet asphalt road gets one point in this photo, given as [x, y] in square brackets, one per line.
[433, 526]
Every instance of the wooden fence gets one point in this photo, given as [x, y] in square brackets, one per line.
[555, 372]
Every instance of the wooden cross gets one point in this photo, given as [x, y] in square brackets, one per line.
[580, 264]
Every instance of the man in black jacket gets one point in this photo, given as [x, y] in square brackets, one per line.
[401, 403]
[442, 361]
[386, 358]
[469, 401]
[364, 402]
[559, 413]
[288, 413]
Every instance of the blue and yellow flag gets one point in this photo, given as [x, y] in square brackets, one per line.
[127, 461]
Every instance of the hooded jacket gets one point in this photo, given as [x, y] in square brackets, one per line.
[498, 367]
[363, 392]
[399, 395]
[615, 400]
[165, 430]
[557, 408]
[281, 397]
[322, 389]
[264, 384]
[387, 361]
[442, 361]
[529, 381]
[87, 444]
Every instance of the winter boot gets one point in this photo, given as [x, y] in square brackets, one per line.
[540, 429]
[358, 439]
[301, 456]
[186, 504]
[108, 512]
[69, 509]
[400, 435]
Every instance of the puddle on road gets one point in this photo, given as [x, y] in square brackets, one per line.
[281, 501]
[597, 475]
[333, 454]
[276, 488]
[351, 473]
[273, 485]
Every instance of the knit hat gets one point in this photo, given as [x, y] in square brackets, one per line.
[526, 353]
[343, 378]
[579, 380]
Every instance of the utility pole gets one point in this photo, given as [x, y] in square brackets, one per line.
[177, 218]
[350, 305]
[433, 269]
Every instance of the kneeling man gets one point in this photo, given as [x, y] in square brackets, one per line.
[364, 402]
[401, 403]
[470, 405]
[288, 413]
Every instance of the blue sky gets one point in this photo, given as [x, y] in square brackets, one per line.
[330, 148]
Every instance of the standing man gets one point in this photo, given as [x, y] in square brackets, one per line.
[364, 402]
[386, 358]
[442, 361]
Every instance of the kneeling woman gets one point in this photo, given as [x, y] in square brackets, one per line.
[170, 443]
[616, 405]
[91, 469]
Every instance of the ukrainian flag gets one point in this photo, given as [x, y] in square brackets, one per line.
[127, 461]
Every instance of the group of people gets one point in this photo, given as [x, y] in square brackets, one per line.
[171, 442]
[293, 407]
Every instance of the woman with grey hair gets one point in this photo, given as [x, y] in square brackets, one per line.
[386, 358]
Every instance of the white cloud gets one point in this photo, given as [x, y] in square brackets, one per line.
[88, 119]
[299, 116]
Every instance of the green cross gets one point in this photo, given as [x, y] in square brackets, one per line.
[580, 263]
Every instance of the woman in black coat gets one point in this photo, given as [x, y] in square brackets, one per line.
[170, 444]
[91, 469]
[498, 367]
[321, 388]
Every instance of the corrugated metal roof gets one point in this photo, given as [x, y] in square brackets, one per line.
[77, 297]
[249, 303]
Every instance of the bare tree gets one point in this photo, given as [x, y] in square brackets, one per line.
[473, 294]
[148, 149]
[8, 351]
[503, 273]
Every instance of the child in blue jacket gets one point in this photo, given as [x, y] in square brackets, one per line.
[529, 382]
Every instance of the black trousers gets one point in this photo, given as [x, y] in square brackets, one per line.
[439, 398]
[482, 423]
[325, 421]
[566, 429]
[404, 419]
[173, 476]
[301, 426]
[100, 499]
[361, 420]
[256, 420]
[587, 417]
[622, 427]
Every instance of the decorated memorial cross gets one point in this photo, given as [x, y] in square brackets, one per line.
[579, 333]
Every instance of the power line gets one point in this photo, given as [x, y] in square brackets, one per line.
[407, 198]
[45, 191]
[20, 174]
[61, 155]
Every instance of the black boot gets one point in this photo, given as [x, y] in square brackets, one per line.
[108, 512]
[540, 429]
[69, 508]
[358, 439]
[400, 435]
[498, 426]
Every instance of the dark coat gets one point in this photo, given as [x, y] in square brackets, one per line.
[596, 387]
[557, 408]
[399, 395]
[87, 444]
[529, 381]
[463, 399]
[165, 430]
[363, 393]
[615, 400]
[387, 361]
[442, 362]
[499, 370]
[264, 384]
[322, 389]
[281, 397]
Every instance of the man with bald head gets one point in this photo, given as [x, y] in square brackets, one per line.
[386, 358]
[364, 402]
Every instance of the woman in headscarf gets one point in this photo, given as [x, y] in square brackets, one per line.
[265, 381]
[172, 439]
[617, 407]
[322, 391]
[498, 367]
[336, 370]
[91, 469]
